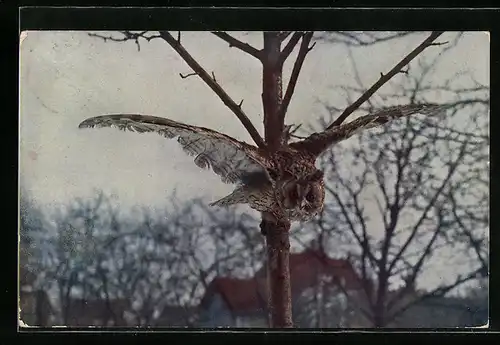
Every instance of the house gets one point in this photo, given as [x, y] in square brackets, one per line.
[230, 302]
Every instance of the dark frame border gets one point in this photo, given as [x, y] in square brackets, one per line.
[71, 18]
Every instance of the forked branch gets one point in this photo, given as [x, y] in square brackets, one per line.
[297, 66]
[212, 83]
[384, 78]
[287, 50]
[234, 42]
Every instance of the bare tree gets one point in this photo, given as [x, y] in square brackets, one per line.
[428, 179]
[31, 225]
[275, 104]
[115, 269]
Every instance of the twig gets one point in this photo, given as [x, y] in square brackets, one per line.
[297, 127]
[128, 35]
[352, 39]
[385, 78]
[405, 71]
[233, 42]
[297, 66]
[439, 43]
[292, 132]
[285, 53]
[210, 81]
[289, 132]
[184, 76]
[295, 136]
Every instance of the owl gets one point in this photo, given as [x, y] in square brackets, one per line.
[283, 182]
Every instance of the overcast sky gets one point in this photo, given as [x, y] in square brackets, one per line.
[67, 77]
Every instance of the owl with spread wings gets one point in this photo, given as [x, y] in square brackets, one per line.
[285, 182]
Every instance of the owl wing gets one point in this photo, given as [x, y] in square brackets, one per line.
[234, 161]
[316, 143]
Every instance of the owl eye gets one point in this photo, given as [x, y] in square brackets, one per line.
[310, 196]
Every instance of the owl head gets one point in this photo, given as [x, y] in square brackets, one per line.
[303, 198]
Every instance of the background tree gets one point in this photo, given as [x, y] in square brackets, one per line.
[129, 270]
[428, 181]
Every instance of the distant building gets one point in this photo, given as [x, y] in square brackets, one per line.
[230, 302]
[326, 293]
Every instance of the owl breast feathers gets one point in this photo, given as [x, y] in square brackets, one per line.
[285, 182]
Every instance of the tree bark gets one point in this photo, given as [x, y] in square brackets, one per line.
[272, 93]
[276, 230]
[278, 272]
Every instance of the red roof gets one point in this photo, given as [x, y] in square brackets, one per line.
[238, 294]
[251, 294]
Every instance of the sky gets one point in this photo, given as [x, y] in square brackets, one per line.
[66, 77]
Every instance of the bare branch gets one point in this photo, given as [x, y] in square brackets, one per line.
[439, 43]
[297, 66]
[451, 170]
[438, 292]
[292, 130]
[361, 241]
[417, 267]
[358, 39]
[285, 53]
[184, 76]
[214, 86]
[127, 36]
[233, 42]
[475, 243]
[385, 78]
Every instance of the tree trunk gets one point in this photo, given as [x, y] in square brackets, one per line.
[272, 93]
[278, 272]
[380, 305]
[276, 230]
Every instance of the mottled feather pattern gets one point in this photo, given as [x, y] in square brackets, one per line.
[259, 199]
[229, 158]
[316, 143]
[286, 182]
[384, 116]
